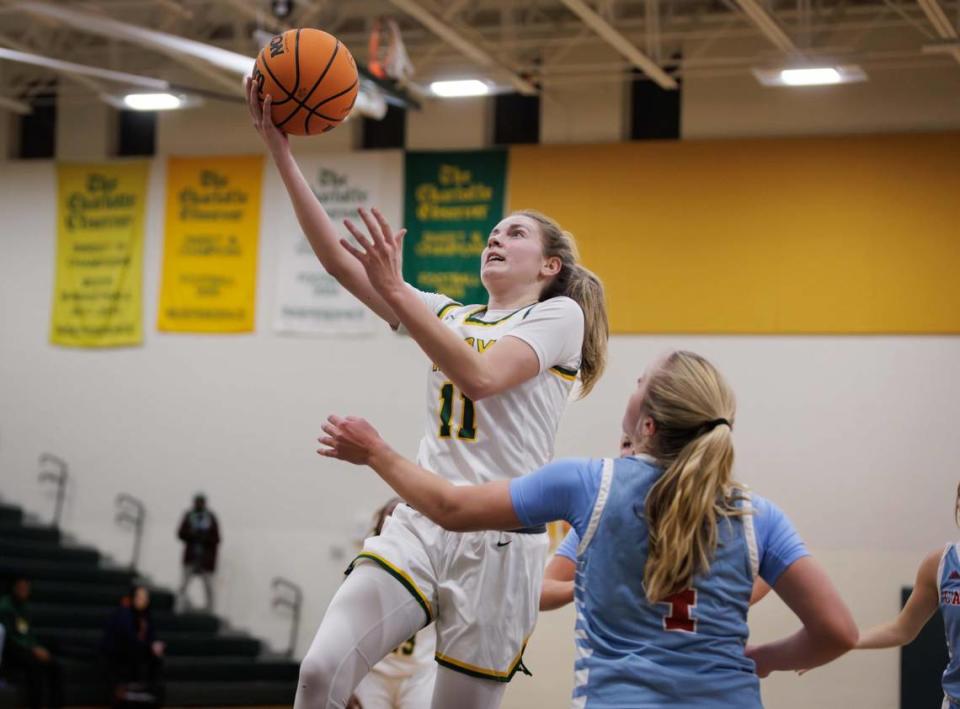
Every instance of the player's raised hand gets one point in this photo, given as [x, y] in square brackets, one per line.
[381, 254]
[275, 140]
[351, 439]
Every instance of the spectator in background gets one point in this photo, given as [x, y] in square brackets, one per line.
[22, 651]
[201, 537]
[131, 651]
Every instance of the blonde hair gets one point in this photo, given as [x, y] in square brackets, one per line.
[692, 408]
[582, 286]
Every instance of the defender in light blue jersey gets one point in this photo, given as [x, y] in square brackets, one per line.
[558, 578]
[669, 549]
[937, 586]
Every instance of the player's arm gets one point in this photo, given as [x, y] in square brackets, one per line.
[560, 490]
[314, 220]
[557, 589]
[760, 590]
[459, 508]
[921, 605]
[504, 365]
[828, 627]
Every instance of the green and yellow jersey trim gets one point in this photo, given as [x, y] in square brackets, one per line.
[452, 305]
[481, 672]
[472, 318]
[569, 374]
[400, 575]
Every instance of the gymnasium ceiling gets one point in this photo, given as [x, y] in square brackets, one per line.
[514, 43]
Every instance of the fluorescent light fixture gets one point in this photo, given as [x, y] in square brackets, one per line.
[810, 76]
[152, 102]
[459, 88]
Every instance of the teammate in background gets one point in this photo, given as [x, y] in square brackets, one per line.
[501, 377]
[559, 576]
[937, 586]
[404, 678]
[670, 547]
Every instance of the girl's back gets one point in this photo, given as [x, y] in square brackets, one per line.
[687, 650]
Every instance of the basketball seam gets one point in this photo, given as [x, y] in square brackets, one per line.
[281, 86]
[313, 111]
[303, 103]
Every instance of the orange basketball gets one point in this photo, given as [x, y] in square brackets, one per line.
[311, 79]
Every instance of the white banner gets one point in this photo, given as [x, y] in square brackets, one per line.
[309, 300]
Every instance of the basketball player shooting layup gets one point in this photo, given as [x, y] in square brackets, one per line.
[501, 376]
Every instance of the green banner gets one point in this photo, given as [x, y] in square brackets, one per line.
[452, 202]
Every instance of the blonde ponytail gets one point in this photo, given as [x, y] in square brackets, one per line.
[693, 408]
[583, 287]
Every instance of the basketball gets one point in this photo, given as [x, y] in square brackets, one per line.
[311, 79]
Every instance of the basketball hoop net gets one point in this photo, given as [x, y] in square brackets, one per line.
[388, 55]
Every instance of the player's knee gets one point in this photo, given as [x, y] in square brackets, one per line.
[316, 678]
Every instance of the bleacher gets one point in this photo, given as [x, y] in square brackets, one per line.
[75, 589]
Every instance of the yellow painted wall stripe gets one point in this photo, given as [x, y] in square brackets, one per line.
[855, 234]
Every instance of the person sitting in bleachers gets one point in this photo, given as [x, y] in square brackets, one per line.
[23, 653]
[132, 652]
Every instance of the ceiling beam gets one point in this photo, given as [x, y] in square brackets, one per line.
[15, 106]
[623, 45]
[81, 70]
[78, 78]
[938, 18]
[453, 37]
[770, 28]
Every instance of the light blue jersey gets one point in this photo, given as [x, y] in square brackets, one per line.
[686, 653]
[948, 585]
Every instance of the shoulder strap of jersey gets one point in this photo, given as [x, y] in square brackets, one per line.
[943, 563]
[750, 533]
[602, 495]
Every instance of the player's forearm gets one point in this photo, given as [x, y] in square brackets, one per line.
[427, 493]
[804, 650]
[313, 218]
[555, 594]
[883, 636]
[455, 358]
[324, 238]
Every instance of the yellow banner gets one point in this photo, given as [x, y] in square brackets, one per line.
[100, 217]
[848, 235]
[210, 244]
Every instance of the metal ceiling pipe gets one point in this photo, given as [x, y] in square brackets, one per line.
[370, 101]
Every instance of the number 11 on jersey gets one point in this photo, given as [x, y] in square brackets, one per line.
[468, 424]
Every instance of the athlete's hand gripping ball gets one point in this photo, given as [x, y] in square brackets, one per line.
[351, 439]
[275, 140]
[381, 254]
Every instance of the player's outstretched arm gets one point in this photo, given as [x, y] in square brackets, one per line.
[828, 627]
[506, 364]
[557, 589]
[922, 604]
[459, 508]
[314, 220]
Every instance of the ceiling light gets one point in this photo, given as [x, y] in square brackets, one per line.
[810, 76]
[459, 88]
[152, 102]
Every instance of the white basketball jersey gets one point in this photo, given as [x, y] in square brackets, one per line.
[512, 433]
